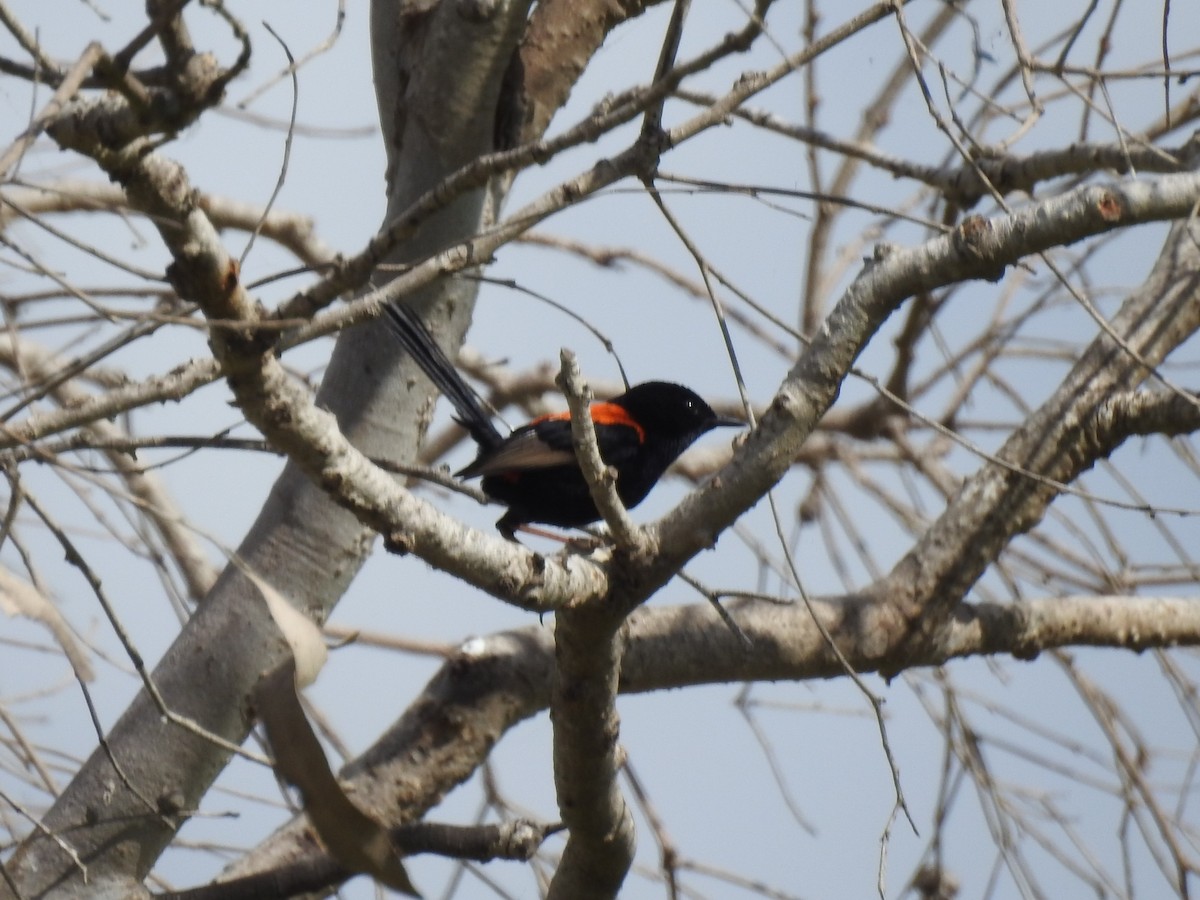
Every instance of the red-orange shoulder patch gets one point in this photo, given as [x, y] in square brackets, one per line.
[612, 414]
[603, 413]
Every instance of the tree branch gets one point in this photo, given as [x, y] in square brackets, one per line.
[587, 755]
[307, 547]
[494, 683]
[600, 480]
[1055, 444]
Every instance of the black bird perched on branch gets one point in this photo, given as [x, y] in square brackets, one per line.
[533, 471]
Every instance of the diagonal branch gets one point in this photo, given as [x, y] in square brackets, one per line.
[494, 683]
[1082, 422]
[310, 547]
[978, 249]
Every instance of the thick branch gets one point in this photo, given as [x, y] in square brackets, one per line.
[1067, 435]
[308, 547]
[562, 37]
[979, 248]
[518, 840]
[494, 683]
[1145, 412]
[587, 757]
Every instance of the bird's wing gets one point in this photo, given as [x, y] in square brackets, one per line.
[538, 445]
[546, 442]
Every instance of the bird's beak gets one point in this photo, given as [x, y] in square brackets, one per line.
[728, 421]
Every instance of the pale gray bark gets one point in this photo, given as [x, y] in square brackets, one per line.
[307, 546]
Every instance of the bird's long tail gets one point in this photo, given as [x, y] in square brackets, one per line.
[472, 412]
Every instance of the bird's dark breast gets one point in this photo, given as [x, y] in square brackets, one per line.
[558, 495]
[554, 496]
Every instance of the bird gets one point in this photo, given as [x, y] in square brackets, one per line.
[533, 471]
